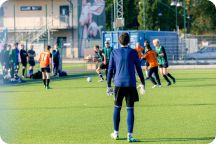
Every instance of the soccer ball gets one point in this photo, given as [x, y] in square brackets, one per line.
[89, 79]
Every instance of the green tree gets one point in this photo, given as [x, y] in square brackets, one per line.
[109, 14]
[130, 14]
[158, 15]
[203, 14]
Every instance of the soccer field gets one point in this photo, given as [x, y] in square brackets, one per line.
[77, 112]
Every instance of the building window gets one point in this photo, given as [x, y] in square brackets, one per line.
[31, 8]
[36, 8]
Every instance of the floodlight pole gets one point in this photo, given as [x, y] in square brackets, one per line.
[184, 17]
[118, 12]
[144, 15]
[14, 23]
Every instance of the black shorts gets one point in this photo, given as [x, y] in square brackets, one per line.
[130, 94]
[165, 65]
[32, 63]
[46, 69]
[103, 66]
[24, 63]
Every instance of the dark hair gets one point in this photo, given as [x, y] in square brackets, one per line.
[97, 46]
[147, 44]
[48, 47]
[124, 38]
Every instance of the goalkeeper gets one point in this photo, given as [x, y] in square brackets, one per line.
[123, 62]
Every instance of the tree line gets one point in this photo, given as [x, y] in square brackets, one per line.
[195, 16]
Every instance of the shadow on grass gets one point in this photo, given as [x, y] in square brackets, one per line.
[194, 79]
[36, 81]
[72, 87]
[9, 91]
[197, 85]
[84, 106]
[125, 139]
[159, 140]
[177, 105]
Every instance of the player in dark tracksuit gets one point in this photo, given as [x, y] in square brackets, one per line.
[123, 62]
[14, 59]
[107, 51]
[7, 60]
[56, 60]
[31, 61]
[23, 57]
[3, 60]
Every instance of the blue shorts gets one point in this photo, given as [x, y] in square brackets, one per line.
[142, 62]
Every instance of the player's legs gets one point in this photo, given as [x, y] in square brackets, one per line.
[146, 72]
[170, 76]
[31, 68]
[4, 69]
[146, 64]
[118, 98]
[23, 71]
[157, 76]
[16, 69]
[131, 93]
[43, 77]
[150, 72]
[98, 71]
[12, 65]
[106, 69]
[30, 71]
[47, 78]
[163, 71]
[24, 64]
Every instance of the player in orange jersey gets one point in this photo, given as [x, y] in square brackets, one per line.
[45, 61]
[151, 57]
[140, 50]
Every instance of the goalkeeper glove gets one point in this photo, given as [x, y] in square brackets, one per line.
[141, 88]
[109, 91]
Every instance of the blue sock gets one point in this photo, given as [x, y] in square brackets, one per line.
[130, 119]
[116, 117]
[30, 71]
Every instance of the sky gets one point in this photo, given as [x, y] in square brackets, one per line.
[2, 1]
[213, 1]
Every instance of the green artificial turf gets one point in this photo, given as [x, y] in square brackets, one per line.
[78, 112]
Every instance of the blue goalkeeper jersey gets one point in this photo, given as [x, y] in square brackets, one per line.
[122, 65]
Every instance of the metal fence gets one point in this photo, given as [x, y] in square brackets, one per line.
[178, 51]
[193, 50]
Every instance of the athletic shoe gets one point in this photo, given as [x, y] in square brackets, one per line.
[114, 136]
[13, 79]
[131, 139]
[174, 80]
[47, 87]
[147, 78]
[169, 84]
[23, 76]
[100, 80]
[159, 86]
[154, 86]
